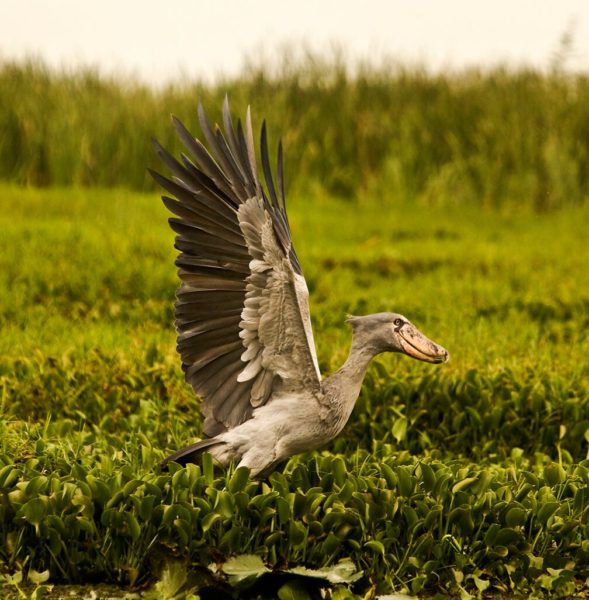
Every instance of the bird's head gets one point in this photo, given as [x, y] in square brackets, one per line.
[391, 332]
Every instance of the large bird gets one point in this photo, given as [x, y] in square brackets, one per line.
[242, 309]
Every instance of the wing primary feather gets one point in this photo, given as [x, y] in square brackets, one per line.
[203, 219]
[237, 176]
[280, 175]
[182, 192]
[221, 363]
[194, 233]
[212, 324]
[204, 357]
[207, 163]
[244, 157]
[251, 151]
[229, 130]
[235, 149]
[266, 165]
[198, 150]
[220, 151]
[212, 199]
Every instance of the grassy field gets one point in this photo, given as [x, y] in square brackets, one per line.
[466, 478]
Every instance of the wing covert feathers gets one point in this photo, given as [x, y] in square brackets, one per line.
[242, 311]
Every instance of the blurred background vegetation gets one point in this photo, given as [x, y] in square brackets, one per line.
[505, 139]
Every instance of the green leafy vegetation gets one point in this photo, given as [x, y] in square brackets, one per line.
[465, 478]
[503, 139]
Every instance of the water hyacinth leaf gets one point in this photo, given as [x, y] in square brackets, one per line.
[516, 516]
[8, 475]
[133, 527]
[491, 535]
[524, 491]
[284, 511]
[131, 486]
[85, 524]
[210, 520]
[36, 485]
[339, 471]
[432, 516]
[239, 480]
[418, 583]
[482, 584]
[461, 516]
[346, 491]
[273, 539]
[507, 536]
[498, 552]
[376, 547]
[464, 484]
[411, 517]
[441, 486]
[296, 533]
[225, 504]
[331, 544]
[230, 542]
[34, 510]
[427, 476]
[405, 485]
[389, 475]
[400, 429]
[180, 478]
[146, 507]
[546, 511]
[170, 514]
[207, 468]
[244, 567]
[114, 500]
[581, 500]
[241, 500]
[554, 474]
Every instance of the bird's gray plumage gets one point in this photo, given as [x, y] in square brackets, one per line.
[242, 310]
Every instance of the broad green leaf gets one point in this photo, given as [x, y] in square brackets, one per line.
[554, 474]
[546, 511]
[464, 484]
[243, 567]
[400, 429]
[515, 516]
[239, 480]
[37, 577]
[375, 546]
[35, 510]
[210, 520]
[342, 572]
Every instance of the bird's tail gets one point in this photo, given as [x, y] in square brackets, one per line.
[190, 453]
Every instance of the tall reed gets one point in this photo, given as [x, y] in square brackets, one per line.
[500, 138]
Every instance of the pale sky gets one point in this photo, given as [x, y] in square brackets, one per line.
[163, 41]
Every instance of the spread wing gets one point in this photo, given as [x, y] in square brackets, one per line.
[242, 309]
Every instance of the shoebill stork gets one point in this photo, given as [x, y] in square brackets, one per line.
[242, 309]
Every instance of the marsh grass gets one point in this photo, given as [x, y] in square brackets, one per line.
[516, 140]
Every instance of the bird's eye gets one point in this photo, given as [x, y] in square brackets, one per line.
[398, 322]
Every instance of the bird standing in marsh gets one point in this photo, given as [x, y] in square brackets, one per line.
[242, 309]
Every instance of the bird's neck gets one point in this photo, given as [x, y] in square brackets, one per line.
[343, 387]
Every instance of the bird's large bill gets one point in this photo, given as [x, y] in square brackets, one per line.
[418, 346]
